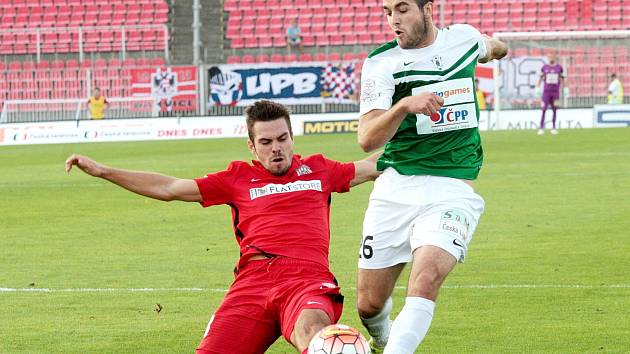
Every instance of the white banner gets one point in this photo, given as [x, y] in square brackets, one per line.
[122, 130]
[229, 127]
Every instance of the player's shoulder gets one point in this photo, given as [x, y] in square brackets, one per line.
[383, 51]
[238, 166]
[461, 29]
[316, 160]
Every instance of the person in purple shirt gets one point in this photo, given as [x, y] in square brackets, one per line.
[551, 76]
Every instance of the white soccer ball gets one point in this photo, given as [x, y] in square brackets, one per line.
[338, 339]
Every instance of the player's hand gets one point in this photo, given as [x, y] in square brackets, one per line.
[86, 164]
[426, 103]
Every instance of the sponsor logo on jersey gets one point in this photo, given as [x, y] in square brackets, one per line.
[450, 115]
[303, 170]
[297, 186]
[453, 92]
[455, 222]
[446, 93]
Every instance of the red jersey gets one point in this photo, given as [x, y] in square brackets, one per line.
[284, 215]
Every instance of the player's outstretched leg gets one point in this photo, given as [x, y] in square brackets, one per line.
[431, 265]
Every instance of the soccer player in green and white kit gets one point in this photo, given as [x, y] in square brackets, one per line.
[418, 100]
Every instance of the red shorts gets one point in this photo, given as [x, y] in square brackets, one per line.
[265, 301]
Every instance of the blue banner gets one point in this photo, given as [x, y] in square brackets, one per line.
[299, 83]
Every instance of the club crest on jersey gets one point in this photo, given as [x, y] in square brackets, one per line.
[303, 170]
[438, 62]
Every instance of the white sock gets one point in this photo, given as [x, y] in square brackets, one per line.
[410, 326]
[379, 326]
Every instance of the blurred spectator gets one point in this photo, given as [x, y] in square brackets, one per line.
[481, 97]
[615, 90]
[97, 104]
[294, 37]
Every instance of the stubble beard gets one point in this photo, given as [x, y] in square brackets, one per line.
[419, 34]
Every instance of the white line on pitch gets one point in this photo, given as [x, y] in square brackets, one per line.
[217, 290]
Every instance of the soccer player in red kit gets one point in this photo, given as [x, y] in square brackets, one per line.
[280, 208]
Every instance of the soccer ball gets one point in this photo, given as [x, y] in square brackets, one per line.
[338, 339]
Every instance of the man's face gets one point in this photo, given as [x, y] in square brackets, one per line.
[272, 145]
[408, 21]
[552, 59]
[97, 93]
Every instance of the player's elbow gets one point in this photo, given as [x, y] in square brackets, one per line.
[366, 144]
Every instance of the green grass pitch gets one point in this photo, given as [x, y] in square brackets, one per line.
[548, 269]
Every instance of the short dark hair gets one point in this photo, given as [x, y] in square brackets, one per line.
[421, 3]
[266, 111]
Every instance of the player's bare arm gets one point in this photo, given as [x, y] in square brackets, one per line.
[365, 170]
[148, 184]
[496, 49]
[378, 126]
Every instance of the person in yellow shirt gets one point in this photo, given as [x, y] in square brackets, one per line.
[615, 90]
[481, 97]
[97, 104]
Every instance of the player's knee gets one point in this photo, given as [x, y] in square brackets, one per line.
[426, 284]
[370, 306]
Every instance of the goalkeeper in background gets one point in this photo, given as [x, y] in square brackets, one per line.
[551, 77]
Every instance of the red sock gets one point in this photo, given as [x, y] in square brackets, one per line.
[305, 351]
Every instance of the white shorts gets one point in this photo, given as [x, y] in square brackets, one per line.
[408, 212]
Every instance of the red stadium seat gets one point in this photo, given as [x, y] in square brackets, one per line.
[233, 59]
[248, 59]
[262, 58]
[333, 57]
[43, 64]
[158, 61]
[143, 61]
[306, 57]
[276, 58]
[319, 57]
[15, 66]
[129, 62]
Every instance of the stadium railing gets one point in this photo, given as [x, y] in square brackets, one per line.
[20, 111]
[82, 40]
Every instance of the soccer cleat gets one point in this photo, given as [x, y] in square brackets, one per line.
[554, 132]
[375, 348]
[541, 132]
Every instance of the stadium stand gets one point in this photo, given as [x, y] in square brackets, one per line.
[66, 80]
[66, 26]
[360, 25]
[262, 24]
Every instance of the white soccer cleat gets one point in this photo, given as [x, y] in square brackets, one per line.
[541, 131]
[554, 132]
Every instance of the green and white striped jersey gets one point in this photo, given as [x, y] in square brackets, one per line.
[448, 143]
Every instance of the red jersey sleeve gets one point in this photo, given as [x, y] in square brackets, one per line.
[341, 173]
[216, 188]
